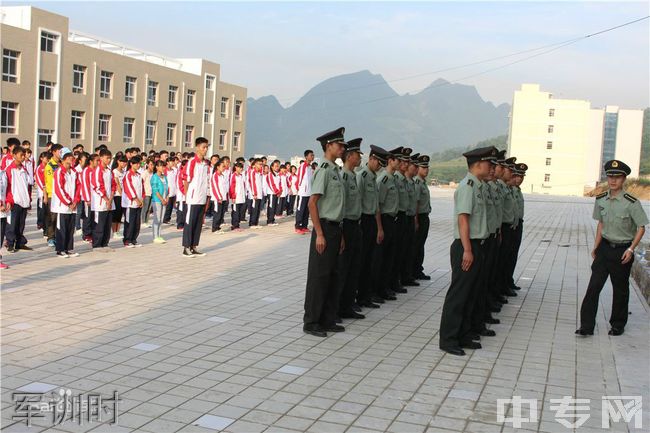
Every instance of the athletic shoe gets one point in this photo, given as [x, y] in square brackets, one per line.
[62, 254]
[273, 224]
[128, 245]
[196, 252]
[72, 254]
[299, 231]
[118, 235]
[3, 266]
[137, 245]
[51, 243]
[25, 248]
[187, 253]
[159, 240]
[78, 232]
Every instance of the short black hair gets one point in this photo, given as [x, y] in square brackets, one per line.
[200, 140]
[55, 147]
[18, 149]
[239, 165]
[307, 152]
[105, 152]
[13, 141]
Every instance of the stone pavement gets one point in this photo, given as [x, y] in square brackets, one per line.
[198, 345]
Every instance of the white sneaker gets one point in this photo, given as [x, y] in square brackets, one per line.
[137, 245]
[78, 232]
[117, 235]
[62, 254]
[73, 254]
[273, 224]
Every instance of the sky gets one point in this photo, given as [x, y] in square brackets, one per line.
[284, 49]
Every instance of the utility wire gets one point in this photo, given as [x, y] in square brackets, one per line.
[548, 48]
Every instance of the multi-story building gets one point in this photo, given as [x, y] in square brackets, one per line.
[565, 142]
[69, 87]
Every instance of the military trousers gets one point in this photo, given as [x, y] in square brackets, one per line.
[420, 240]
[454, 328]
[481, 292]
[321, 293]
[384, 256]
[608, 264]
[368, 243]
[348, 272]
[408, 250]
[399, 245]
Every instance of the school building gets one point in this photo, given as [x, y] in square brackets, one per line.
[70, 87]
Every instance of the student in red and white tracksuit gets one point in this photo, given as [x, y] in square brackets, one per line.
[237, 194]
[3, 212]
[273, 182]
[219, 195]
[132, 201]
[284, 191]
[102, 201]
[180, 196]
[65, 198]
[292, 181]
[172, 172]
[255, 192]
[39, 179]
[17, 201]
[196, 183]
[86, 197]
[305, 175]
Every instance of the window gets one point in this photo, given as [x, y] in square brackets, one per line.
[152, 93]
[189, 135]
[209, 82]
[44, 137]
[548, 161]
[104, 130]
[105, 84]
[224, 107]
[223, 134]
[171, 98]
[150, 133]
[10, 66]
[128, 130]
[48, 42]
[129, 89]
[9, 121]
[207, 116]
[77, 124]
[549, 145]
[78, 78]
[45, 90]
[171, 134]
[189, 101]
[238, 110]
[547, 177]
[235, 141]
[550, 129]
[551, 112]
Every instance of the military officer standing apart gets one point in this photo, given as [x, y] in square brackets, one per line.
[621, 225]
[372, 231]
[423, 209]
[326, 208]
[470, 232]
[349, 259]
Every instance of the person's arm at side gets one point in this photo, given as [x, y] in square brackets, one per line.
[629, 253]
[315, 218]
[463, 229]
[599, 238]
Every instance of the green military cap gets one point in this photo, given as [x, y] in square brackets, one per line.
[520, 169]
[509, 162]
[354, 145]
[617, 168]
[481, 154]
[501, 157]
[380, 153]
[406, 154]
[331, 137]
[423, 161]
[414, 158]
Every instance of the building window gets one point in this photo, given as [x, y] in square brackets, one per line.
[129, 89]
[209, 82]
[189, 135]
[235, 141]
[551, 112]
[224, 107]
[171, 134]
[10, 65]
[223, 134]
[105, 84]
[77, 124]
[171, 98]
[189, 101]
[549, 145]
[150, 133]
[128, 130]
[152, 93]
[547, 177]
[44, 137]
[9, 118]
[45, 90]
[78, 78]
[48, 42]
[548, 161]
[238, 110]
[550, 129]
[207, 116]
[104, 130]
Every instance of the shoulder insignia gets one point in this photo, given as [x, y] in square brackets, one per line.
[629, 197]
[324, 165]
[601, 195]
[470, 182]
[384, 180]
[364, 173]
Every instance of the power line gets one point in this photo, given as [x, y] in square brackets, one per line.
[550, 47]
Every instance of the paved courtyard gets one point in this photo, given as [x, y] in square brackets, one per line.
[216, 343]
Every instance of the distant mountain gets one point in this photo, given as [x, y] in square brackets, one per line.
[442, 116]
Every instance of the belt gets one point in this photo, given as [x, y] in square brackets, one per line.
[401, 213]
[478, 241]
[332, 223]
[350, 221]
[617, 244]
